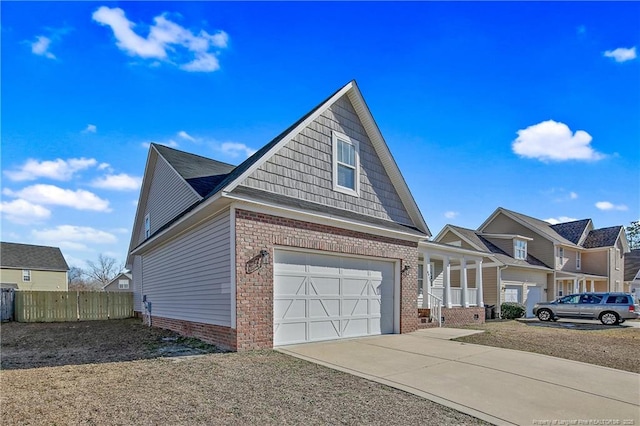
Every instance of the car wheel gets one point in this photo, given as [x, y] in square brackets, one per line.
[609, 318]
[545, 315]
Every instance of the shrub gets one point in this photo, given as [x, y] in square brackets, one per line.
[512, 310]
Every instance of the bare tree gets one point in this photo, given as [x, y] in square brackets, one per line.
[103, 270]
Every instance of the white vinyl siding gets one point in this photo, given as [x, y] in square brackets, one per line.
[168, 196]
[136, 273]
[189, 278]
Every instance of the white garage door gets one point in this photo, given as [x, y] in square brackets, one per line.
[323, 297]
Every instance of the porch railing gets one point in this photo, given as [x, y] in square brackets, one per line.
[435, 313]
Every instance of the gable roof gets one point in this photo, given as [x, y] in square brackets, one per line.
[631, 264]
[536, 225]
[212, 179]
[572, 231]
[201, 173]
[117, 277]
[476, 239]
[604, 237]
[26, 256]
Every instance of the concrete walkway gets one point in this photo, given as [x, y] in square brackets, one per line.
[500, 386]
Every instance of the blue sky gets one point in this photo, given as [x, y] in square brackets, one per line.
[530, 106]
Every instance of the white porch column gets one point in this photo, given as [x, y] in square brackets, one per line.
[593, 288]
[480, 298]
[576, 289]
[584, 285]
[426, 280]
[463, 280]
[447, 281]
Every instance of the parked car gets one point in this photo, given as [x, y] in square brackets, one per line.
[609, 308]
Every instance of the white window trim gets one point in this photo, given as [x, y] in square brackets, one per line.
[356, 191]
[26, 273]
[123, 284]
[515, 249]
[578, 260]
[147, 226]
[617, 260]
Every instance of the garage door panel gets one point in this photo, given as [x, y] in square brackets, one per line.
[354, 307]
[324, 286]
[324, 330]
[356, 327]
[354, 287]
[290, 285]
[287, 333]
[289, 309]
[323, 308]
[331, 297]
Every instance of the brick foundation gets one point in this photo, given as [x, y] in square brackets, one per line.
[223, 337]
[454, 317]
[254, 291]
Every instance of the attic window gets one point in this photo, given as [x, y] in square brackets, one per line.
[346, 165]
[147, 226]
[520, 249]
[26, 275]
[123, 284]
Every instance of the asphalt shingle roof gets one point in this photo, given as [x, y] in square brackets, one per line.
[603, 237]
[485, 245]
[26, 256]
[572, 231]
[631, 264]
[542, 227]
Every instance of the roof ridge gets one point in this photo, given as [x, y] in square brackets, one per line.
[189, 153]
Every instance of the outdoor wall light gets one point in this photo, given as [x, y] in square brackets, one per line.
[264, 257]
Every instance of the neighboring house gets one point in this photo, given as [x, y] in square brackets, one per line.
[632, 273]
[314, 237]
[29, 267]
[121, 283]
[532, 260]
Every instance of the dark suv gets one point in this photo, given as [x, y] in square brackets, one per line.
[609, 308]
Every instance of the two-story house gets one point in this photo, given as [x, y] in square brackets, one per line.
[31, 267]
[314, 237]
[531, 260]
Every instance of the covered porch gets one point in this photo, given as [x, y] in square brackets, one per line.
[450, 286]
[568, 283]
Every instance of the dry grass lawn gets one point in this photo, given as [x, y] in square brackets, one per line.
[71, 374]
[614, 347]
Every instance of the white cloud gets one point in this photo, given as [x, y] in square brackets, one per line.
[104, 166]
[607, 205]
[451, 214]
[235, 149]
[553, 141]
[573, 195]
[41, 47]
[185, 135]
[23, 212]
[166, 41]
[53, 195]
[91, 128]
[621, 54]
[57, 169]
[121, 182]
[561, 219]
[70, 234]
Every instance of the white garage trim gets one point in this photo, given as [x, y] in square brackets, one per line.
[326, 296]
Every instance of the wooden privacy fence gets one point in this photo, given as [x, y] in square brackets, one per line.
[58, 306]
[6, 303]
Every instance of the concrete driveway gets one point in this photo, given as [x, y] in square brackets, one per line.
[501, 386]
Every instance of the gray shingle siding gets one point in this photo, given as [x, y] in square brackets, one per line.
[303, 168]
[189, 278]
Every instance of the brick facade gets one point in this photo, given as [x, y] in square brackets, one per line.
[223, 337]
[454, 317]
[254, 290]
